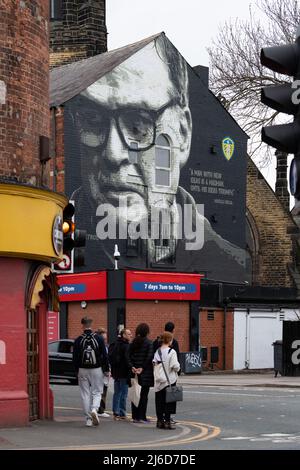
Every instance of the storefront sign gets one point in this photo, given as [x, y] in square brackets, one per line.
[145, 285]
[70, 289]
[163, 287]
[82, 286]
[53, 326]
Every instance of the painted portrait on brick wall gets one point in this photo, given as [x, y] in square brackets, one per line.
[131, 134]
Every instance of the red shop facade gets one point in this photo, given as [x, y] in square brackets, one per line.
[114, 298]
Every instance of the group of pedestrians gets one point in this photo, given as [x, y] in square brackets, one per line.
[123, 360]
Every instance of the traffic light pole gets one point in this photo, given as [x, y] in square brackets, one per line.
[285, 98]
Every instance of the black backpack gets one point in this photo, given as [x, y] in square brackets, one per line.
[89, 351]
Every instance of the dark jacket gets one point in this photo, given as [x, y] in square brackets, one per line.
[141, 355]
[122, 368]
[102, 358]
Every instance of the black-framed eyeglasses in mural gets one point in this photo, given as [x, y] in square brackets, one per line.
[134, 124]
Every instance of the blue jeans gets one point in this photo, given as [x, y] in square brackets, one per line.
[120, 396]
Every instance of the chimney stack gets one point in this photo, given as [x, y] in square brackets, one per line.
[203, 73]
[77, 30]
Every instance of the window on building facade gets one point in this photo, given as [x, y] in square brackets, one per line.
[162, 161]
[165, 244]
[55, 10]
[133, 156]
[210, 315]
[133, 247]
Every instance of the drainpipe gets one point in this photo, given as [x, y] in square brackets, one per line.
[224, 337]
[55, 147]
[246, 339]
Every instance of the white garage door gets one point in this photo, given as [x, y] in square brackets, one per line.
[263, 331]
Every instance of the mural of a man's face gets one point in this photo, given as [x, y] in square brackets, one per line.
[121, 117]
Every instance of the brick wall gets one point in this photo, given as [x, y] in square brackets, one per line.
[272, 224]
[57, 152]
[157, 314]
[81, 32]
[96, 310]
[212, 335]
[24, 87]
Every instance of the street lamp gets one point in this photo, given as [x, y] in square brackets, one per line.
[116, 256]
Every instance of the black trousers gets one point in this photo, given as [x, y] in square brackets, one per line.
[103, 400]
[163, 410]
[139, 412]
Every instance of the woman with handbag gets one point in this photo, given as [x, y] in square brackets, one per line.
[141, 355]
[166, 367]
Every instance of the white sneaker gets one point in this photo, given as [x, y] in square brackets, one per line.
[103, 415]
[94, 416]
[89, 422]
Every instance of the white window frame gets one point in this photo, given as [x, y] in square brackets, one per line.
[163, 147]
[133, 142]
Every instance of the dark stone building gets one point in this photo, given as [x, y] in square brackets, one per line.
[78, 30]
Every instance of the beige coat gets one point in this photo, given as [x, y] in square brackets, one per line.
[172, 366]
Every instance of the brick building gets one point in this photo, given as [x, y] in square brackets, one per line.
[270, 228]
[30, 226]
[271, 298]
[217, 154]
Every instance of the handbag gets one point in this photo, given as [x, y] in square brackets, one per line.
[134, 392]
[173, 392]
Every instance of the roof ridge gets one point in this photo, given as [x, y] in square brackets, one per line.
[149, 38]
[66, 81]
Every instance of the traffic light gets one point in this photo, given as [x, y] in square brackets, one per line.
[74, 241]
[68, 228]
[285, 99]
[79, 244]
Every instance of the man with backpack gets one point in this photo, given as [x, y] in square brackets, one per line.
[91, 362]
[118, 355]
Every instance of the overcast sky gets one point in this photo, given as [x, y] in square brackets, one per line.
[191, 25]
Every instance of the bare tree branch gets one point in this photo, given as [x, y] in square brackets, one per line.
[236, 74]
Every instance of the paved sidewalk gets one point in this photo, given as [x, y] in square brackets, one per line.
[240, 380]
[68, 430]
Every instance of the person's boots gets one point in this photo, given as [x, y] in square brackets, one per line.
[169, 425]
[160, 424]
